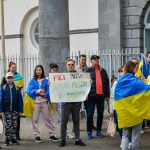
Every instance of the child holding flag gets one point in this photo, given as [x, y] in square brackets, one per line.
[38, 91]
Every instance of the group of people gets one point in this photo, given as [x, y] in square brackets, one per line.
[11, 103]
[129, 92]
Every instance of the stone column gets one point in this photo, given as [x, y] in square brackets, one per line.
[133, 24]
[109, 14]
[53, 32]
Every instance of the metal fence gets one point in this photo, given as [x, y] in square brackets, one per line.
[111, 60]
[25, 66]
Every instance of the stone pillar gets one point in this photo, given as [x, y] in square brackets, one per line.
[53, 32]
[133, 24]
[109, 24]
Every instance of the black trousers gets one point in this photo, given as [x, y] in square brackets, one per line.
[98, 101]
[65, 112]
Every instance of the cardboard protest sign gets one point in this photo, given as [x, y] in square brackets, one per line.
[69, 87]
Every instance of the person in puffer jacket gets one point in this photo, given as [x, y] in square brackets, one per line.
[11, 106]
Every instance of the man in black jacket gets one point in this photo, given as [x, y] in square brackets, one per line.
[98, 93]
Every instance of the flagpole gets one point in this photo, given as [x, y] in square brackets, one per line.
[3, 37]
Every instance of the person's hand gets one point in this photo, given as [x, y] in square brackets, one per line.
[108, 104]
[87, 98]
[108, 108]
[111, 114]
[143, 78]
[107, 99]
[42, 91]
[1, 114]
[20, 114]
[42, 94]
[91, 81]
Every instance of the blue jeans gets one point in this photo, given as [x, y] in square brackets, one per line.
[98, 101]
[133, 132]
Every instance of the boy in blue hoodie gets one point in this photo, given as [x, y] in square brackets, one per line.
[11, 106]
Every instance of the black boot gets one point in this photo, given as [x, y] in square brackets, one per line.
[62, 143]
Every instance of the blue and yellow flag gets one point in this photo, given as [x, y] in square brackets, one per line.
[18, 80]
[30, 97]
[144, 70]
[28, 106]
[132, 100]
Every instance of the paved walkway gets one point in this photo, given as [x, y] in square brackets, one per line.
[106, 143]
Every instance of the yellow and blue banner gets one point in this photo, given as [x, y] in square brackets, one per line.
[30, 97]
[18, 80]
[28, 106]
[144, 70]
[132, 100]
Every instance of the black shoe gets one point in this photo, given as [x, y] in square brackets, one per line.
[54, 138]
[7, 142]
[14, 142]
[62, 143]
[38, 139]
[80, 143]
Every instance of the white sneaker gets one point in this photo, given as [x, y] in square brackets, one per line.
[69, 136]
[142, 131]
[129, 145]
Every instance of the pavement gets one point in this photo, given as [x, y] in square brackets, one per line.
[106, 143]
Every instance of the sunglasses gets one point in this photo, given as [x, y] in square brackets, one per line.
[70, 64]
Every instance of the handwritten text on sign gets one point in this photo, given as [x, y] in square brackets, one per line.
[69, 87]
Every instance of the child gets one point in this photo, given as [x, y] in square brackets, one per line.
[11, 105]
[18, 81]
[38, 89]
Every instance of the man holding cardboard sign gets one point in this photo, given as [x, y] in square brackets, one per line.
[70, 88]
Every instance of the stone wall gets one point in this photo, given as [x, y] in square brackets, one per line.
[109, 24]
[133, 12]
[121, 24]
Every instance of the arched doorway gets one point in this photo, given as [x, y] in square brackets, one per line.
[147, 31]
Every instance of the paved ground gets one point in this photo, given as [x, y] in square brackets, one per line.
[106, 143]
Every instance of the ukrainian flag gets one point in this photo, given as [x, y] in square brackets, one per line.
[144, 69]
[30, 98]
[132, 100]
[28, 106]
[18, 80]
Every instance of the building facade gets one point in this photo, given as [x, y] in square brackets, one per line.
[93, 24]
[124, 24]
[22, 29]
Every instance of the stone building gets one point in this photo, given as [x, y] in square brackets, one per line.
[124, 24]
[93, 25]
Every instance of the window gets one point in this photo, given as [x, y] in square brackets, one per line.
[34, 33]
